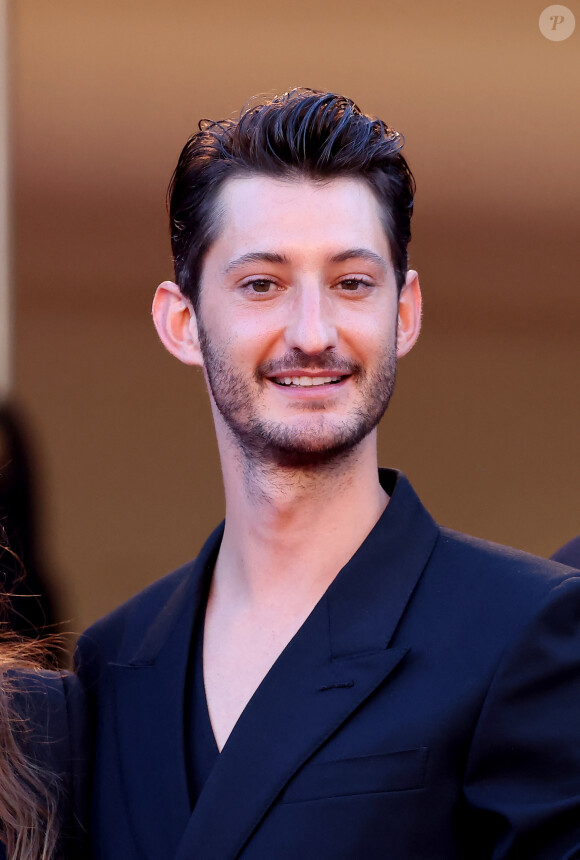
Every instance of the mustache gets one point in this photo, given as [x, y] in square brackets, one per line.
[298, 360]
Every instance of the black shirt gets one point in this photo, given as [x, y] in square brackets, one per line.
[200, 744]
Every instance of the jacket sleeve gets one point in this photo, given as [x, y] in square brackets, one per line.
[523, 771]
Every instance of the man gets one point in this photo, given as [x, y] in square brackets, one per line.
[335, 676]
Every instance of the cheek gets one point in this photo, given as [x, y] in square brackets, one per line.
[370, 327]
[255, 338]
[244, 346]
[370, 339]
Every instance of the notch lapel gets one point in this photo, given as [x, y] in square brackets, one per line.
[337, 659]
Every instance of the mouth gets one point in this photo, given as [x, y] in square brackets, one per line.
[306, 381]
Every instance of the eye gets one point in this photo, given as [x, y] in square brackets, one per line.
[261, 286]
[354, 285]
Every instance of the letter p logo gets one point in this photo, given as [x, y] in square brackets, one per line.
[557, 23]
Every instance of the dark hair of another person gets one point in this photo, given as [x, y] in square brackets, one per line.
[31, 610]
[303, 133]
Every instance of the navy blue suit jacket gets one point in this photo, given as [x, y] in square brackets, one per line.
[428, 709]
[569, 553]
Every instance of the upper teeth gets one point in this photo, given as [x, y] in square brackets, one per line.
[307, 380]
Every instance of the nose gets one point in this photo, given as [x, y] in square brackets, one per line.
[310, 326]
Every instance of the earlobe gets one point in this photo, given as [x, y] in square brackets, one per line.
[176, 324]
[409, 310]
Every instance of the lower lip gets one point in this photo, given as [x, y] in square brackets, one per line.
[311, 391]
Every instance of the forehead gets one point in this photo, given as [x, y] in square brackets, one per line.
[298, 215]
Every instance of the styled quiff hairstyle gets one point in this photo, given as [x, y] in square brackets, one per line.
[303, 133]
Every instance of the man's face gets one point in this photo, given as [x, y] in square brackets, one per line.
[297, 317]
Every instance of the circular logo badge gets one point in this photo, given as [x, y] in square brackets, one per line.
[557, 23]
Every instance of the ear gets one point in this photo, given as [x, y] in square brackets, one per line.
[409, 320]
[176, 323]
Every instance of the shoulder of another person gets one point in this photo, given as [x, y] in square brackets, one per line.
[52, 731]
[37, 691]
[45, 700]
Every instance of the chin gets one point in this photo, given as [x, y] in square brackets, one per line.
[301, 448]
[306, 461]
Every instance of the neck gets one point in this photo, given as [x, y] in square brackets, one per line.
[290, 530]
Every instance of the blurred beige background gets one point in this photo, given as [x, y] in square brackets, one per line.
[486, 415]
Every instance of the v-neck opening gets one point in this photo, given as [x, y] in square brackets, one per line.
[202, 752]
[333, 637]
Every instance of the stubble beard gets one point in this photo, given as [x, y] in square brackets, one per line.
[321, 443]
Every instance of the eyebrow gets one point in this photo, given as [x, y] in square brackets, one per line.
[360, 254]
[281, 259]
[255, 257]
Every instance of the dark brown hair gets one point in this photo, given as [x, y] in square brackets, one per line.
[304, 132]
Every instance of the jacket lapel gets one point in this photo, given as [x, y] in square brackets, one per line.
[336, 660]
[149, 691]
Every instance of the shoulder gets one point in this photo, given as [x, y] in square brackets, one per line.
[139, 627]
[569, 553]
[143, 607]
[479, 555]
[497, 582]
[145, 604]
[488, 552]
[122, 630]
[464, 572]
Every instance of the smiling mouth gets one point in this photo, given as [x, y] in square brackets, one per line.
[307, 381]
